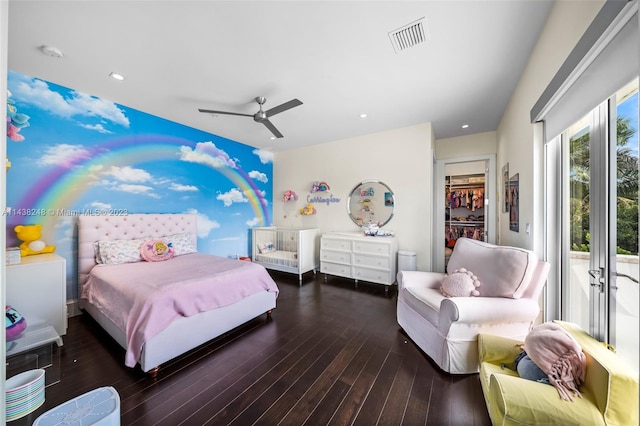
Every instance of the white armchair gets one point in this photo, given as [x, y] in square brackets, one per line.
[447, 328]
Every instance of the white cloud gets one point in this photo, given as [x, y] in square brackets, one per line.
[232, 196]
[182, 188]
[37, 92]
[97, 127]
[259, 176]
[203, 223]
[129, 174]
[63, 154]
[265, 156]
[135, 189]
[64, 226]
[207, 153]
[98, 205]
[254, 222]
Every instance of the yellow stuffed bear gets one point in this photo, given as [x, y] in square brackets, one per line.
[30, 237]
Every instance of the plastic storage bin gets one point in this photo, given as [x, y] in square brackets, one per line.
[99, 407]
[406, 261]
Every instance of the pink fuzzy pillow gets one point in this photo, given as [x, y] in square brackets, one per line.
[156, 250]
[461, 283]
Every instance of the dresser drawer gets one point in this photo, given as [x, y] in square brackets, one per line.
[373, 275]
[381, 262]
[335, 269]
[335, 244]
[335, 256]
[372, 247]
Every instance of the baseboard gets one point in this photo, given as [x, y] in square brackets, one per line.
[73, 308]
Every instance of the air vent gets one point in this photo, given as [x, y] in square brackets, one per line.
[409, 35]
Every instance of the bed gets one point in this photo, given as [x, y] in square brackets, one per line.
[157, 326]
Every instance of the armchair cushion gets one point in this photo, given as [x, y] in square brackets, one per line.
[503, 271]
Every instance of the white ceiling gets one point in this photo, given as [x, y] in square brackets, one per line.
[335, 56]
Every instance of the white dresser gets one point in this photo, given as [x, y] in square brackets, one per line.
[363, 258]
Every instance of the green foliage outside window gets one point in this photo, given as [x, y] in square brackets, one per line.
[626, 191]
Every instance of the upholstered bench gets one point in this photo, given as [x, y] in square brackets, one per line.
[609, 392]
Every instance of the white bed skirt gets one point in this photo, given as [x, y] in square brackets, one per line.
[188, 333]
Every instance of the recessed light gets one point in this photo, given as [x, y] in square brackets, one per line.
[54, 52]
[273, 138]
[363, 115]
[465, 126]
[116, 76]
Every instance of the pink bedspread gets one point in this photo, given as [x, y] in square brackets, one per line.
[144, 298]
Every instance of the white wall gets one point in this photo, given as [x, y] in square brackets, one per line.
[401, 158]
[466, 146]
[520, 142]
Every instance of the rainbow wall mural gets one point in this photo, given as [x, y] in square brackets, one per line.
[77, 154]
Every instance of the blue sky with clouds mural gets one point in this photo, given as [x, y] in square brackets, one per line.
[73, 153]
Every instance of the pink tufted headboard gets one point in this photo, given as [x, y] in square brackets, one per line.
[96, 228]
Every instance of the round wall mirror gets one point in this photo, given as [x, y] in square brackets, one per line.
[371, 201]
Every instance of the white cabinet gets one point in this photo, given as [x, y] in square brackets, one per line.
[359, 257]
[37, 289]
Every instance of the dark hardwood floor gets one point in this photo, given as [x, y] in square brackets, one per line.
[331, 354]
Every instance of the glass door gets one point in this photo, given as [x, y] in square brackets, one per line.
[577, 292]
[624, 322]
[599, 288]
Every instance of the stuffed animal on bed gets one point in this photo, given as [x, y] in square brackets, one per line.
[30, 236]
[14, 323]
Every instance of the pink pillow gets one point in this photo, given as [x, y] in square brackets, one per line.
[156, 250]
[462, 283]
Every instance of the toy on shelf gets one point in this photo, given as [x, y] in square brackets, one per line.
[308, 210]
[289, 195]
[14, 323]
[320, 186]
[367, 192]
[15, 120]
[31, 243]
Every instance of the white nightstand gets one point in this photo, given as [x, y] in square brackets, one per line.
[37, 288]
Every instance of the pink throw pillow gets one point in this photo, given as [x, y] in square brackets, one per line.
[156, 250]
[462, 283]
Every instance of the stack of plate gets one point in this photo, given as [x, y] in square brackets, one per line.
[25, 393]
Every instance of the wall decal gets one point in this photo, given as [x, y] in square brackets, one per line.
[319, 186]
[86, 155]
[289, 195]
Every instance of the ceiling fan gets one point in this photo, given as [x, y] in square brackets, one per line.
[262, 116]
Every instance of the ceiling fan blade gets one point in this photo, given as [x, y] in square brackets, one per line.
[209, 111]
[283, 107]
[273, 129]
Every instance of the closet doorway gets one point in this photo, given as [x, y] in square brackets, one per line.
[464, 204]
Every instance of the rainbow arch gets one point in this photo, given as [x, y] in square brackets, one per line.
[58, 188]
